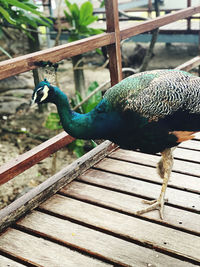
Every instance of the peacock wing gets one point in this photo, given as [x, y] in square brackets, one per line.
[164, 95]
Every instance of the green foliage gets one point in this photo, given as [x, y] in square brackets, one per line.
[77, 146]
[79, 19]
[94, 100]
[91, 102]
[53, 121]
[102, 3]
[21, 14]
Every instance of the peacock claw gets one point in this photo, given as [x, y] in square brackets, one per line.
[156, 204]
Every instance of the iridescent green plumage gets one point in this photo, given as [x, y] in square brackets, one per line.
[141, 112]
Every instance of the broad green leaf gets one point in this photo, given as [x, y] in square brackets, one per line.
[4, 2]
[68, 17]
[68, 3]
[94, 100]
[86, 11]
[99, 51]
[102, 3]
[75, 11]
[23, 6]
[95, 31]
[6, 15]
[89, 20]
[29, 21]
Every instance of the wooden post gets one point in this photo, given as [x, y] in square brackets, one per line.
[114, 50]
[189, 19]
[150, 8]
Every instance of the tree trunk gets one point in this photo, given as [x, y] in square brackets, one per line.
[79, 78]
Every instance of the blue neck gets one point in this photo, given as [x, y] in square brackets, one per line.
[96, 124]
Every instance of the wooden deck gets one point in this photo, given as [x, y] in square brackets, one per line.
[92, 221]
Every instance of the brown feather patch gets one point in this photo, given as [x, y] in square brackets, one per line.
[183, 135]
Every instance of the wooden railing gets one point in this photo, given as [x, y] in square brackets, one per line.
[111, 39]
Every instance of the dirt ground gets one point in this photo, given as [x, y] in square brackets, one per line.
[13, 143]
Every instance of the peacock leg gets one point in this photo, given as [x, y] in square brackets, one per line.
[164, 170]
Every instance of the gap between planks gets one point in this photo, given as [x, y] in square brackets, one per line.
[148, 174]
[112, 248]
[180, 166]
[106, 197]
[156, 236]
[37, 251]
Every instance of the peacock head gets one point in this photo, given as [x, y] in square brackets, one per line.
[43, 93]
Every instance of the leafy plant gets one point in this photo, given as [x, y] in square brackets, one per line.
[102, 3]
[79, 19]
[91, 102]
[53, 121]
[20, 15]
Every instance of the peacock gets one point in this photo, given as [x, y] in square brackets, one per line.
[151, 112]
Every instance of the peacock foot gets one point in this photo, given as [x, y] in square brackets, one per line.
[157, 204]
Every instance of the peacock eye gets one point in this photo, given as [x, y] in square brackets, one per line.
[40, 92]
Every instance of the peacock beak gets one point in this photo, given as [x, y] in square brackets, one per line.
[32, 103]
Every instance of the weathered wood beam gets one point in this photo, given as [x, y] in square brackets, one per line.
[25, 63]
[114, 50]
[190, 64]
[49, 187]
[33, 156]
[158, 22]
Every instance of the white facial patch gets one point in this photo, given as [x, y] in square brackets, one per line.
[45, 91]
[35, 96]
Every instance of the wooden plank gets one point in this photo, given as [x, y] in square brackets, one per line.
[9, 263]
[149, 174]
[177, 198]
[189, 155]
[40, 193]
[41, 252]
[124, 202]
[156, 236]
[33, 156]
[180, 166]
[158, 22]
[197, 136]
[24, 63]
[106, 246]
[114, 50]
[190, 64]
[192, 144]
